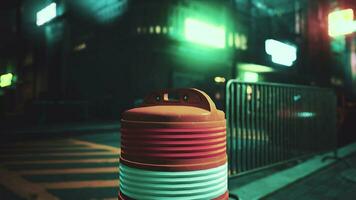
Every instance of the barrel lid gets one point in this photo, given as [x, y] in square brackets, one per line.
[189, 105]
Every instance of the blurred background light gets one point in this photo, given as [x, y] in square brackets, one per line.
[282, 53]
[164, 30]
[305, 114]
[341, 22]
[46, 14]
[204, 33]
[158, 29]
[219, 79]
[80, 47]
[6, 80]
[151, 30]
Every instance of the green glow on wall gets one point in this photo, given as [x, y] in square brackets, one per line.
[102, 11]
[250, 77]
[282, 53]
[254, 67]
[6, 80]
[204, 34]
[341, 22]
[46, 14]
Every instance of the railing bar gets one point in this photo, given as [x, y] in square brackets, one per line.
[270, 125]
[282, 123]
[229, 116]
[266, 125]
[233, 131]
[272, 102]
[294, 122]
[259, 120]
[276, 124]
[243, 118]
[255, 125]
[285, 123]
[289, 126]
[279, 137]
[250, 156]
[298, 123]
[279, 123]
[238, 128]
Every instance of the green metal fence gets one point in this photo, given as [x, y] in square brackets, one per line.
[272, 123]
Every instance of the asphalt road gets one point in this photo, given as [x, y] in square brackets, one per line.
[83, 167]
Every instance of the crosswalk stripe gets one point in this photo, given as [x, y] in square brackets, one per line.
[81, 184]
[76, 161]
[99, 153]
[36, 143]
[22, 187]
[95, 146]
[70, 171]
[68, 147]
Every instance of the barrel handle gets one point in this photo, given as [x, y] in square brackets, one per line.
[185, 97]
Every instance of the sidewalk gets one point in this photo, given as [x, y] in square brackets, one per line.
[314, 178]
[337, 181]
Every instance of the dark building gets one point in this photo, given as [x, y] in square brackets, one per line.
[98, 58]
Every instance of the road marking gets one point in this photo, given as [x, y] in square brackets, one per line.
[37, 143]
[43, 149]
[23, 188]
[96, 146]
[81, 184]
[99, 153]
[28, 190]
[74, 161]
[71, 171]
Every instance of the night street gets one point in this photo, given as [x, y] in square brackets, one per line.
[177, 99]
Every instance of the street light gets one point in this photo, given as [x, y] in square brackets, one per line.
[341, 22]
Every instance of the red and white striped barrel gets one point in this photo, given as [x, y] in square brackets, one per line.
[174, 149]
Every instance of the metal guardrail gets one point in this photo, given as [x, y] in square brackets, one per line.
[271, 123]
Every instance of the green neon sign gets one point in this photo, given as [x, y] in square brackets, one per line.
[281, 53]
[46, 14]
[341, 22]
[203, 33]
